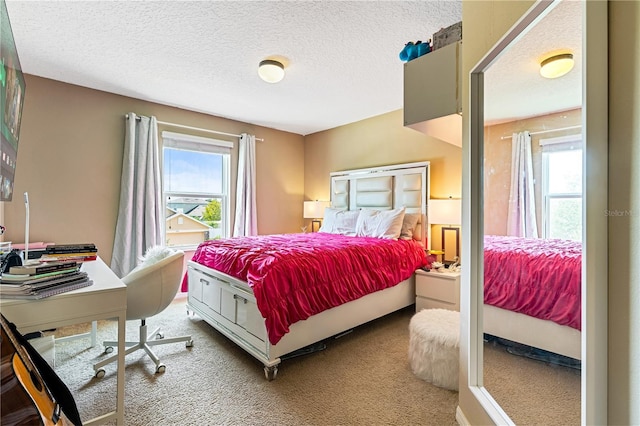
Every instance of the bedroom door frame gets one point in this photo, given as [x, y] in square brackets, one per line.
[594, 255]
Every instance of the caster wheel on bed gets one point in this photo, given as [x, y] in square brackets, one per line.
[100, 373]
[161, 368]
[189, 344]
[270, 373]
[108, 349]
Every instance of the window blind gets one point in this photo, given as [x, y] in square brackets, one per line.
[562, 143]
[196, 143]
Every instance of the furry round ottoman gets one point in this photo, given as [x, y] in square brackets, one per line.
[434, 336]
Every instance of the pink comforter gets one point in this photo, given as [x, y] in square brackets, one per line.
[537, 277]
[294, 276]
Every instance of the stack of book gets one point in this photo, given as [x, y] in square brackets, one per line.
[42, 280]
[66, 252]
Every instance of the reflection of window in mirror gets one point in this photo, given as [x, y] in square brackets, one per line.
[562, 187]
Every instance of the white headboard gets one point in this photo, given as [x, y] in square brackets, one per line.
[385, 188]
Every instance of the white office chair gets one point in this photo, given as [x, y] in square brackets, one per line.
[151, 287]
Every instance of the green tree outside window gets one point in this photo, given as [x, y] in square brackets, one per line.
[212, 213]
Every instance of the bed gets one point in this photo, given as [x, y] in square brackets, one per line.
[532, 292]
[274, 295]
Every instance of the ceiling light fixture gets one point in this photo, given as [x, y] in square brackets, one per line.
[271, 71]
[556, 66]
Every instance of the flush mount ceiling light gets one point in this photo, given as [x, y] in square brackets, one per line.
[556, 66]
[271, 71]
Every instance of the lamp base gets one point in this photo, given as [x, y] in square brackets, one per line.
[454, 234]
[313, 225]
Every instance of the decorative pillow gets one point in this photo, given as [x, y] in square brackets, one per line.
[380, 223]
[409, 224]
[339, 221]
[154, 255]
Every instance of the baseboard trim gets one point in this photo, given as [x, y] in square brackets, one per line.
[461, 418]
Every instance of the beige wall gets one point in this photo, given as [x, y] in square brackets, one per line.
[624, 197]
[378, 141]
[497, 172]
[70, 161]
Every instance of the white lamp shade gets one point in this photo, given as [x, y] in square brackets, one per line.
[445, 212]
[314, 209]
[271, 71]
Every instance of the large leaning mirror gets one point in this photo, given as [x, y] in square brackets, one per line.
[534, 228]
[532, 222]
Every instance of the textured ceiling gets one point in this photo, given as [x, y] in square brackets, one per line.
[341, 57]
[514, 87]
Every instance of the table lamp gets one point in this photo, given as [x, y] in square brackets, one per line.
[447, 212]
[315, 210]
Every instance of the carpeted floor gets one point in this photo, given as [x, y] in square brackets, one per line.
[362, 378]
[530, 391]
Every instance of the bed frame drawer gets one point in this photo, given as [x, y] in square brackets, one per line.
[227, 304]
[240, 308]
[205, 289]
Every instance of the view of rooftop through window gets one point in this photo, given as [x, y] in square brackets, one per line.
[195, 196]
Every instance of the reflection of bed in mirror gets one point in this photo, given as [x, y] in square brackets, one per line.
[276, 294]
[533, 292]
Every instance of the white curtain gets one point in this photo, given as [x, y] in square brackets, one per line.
[246, 221]
[521, 219]
[140, 218]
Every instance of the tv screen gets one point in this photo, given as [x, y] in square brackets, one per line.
[12, 88]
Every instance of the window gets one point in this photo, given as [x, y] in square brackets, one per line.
[196, 177]
[562, 187]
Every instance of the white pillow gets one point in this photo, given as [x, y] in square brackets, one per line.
[380, 223]
[409, 224]
[339, 221]
[153, 255]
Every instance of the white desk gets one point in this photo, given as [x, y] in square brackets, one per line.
[105, 299]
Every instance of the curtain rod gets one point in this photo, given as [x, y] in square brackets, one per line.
[547, 131]
[166, 123]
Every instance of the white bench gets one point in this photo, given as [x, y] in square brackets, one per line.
[434, 342]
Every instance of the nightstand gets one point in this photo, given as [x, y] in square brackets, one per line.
[437, 290]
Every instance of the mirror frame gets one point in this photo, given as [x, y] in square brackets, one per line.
[595, 181]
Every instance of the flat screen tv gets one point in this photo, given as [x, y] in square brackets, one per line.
[12, 89]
